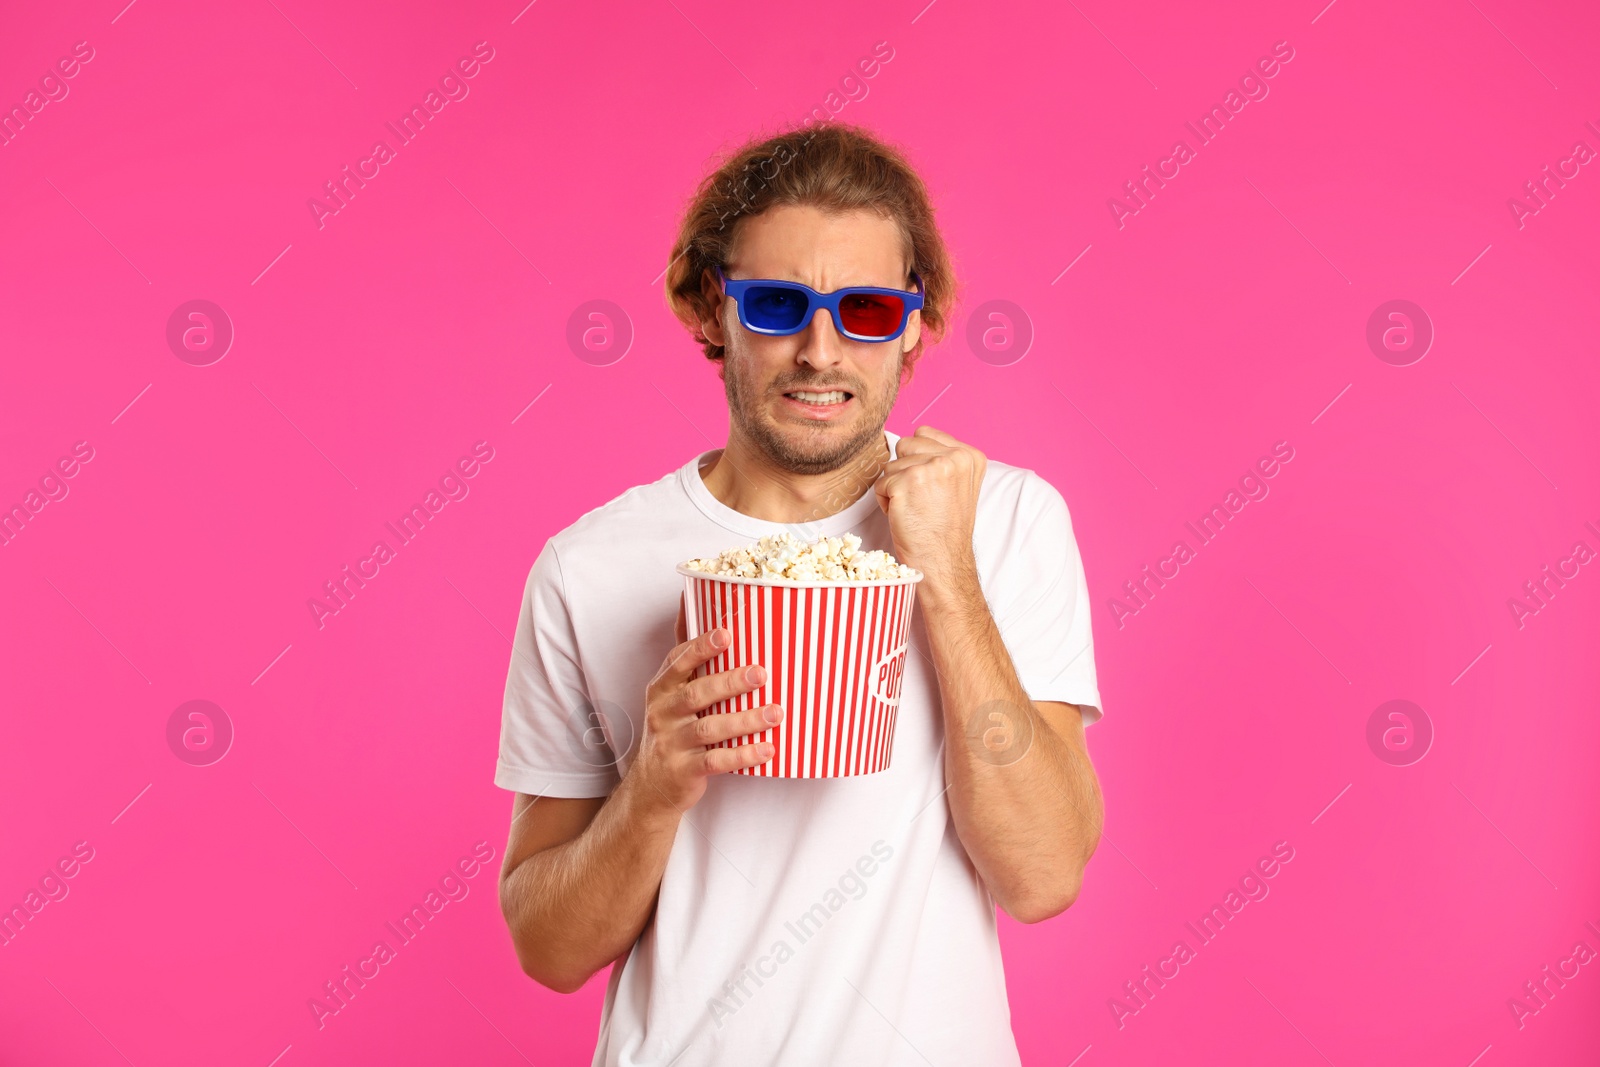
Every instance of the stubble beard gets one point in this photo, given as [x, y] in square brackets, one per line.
[815, 449]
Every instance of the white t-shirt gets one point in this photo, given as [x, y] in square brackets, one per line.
[800, 921]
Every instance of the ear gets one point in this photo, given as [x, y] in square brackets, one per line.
[906, 370]
[913, 334]
[712, 294]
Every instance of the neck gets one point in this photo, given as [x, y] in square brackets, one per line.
[745, 480]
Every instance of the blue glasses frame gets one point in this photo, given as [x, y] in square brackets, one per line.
[815, 301]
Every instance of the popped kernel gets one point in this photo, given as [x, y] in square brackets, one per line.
[784, 556]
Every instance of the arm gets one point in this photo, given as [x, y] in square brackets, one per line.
[1023, 795]
[579, 880]
[580, 876]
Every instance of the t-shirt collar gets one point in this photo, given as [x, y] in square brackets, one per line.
[831, 526]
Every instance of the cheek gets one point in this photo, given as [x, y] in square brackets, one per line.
[742, 377]
[761, 361]
[883, 385]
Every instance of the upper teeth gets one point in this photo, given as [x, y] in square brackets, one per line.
[835, 397]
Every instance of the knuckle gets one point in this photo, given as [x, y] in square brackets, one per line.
[704, 730]
[731, 684]
[663, 676]
[702, 693]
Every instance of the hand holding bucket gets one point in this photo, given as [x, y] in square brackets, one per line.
[835, 654]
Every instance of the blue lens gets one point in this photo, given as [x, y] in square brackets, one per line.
[775, 307]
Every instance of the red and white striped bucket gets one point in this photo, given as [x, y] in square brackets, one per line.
[835, 654]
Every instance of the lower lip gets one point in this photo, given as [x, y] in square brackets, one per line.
[819, 412]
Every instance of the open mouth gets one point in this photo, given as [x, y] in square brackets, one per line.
[817, 405]
[820, 400]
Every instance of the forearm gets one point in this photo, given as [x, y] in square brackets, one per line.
[1024, 798]
[575, 907]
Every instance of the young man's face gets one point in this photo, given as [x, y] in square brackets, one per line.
[762, 374]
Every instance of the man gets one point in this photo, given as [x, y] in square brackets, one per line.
[759, 920]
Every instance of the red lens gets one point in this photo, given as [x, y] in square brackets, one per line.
[871, 314]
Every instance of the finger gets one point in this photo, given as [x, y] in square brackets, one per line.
[896, 481]
[894, 478]
[701, 693]
[725, 760]
[910, 446]
[903, 463]
[718, 727]
[937, 435]
[684, 659]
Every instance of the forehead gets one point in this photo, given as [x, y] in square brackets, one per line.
[824, 249]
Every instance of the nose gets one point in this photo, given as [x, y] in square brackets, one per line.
[822, 346]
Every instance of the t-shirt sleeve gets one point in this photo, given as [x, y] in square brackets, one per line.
[1040, 601]
[548, 719]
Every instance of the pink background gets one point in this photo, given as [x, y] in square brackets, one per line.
[1225, 316]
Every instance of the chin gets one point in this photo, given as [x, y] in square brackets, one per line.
[817, 448]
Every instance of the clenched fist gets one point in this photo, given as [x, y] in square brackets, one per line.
[929, 492]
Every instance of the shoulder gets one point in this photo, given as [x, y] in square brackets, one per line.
[1023, 528]
[621, 517]
[1020, 496]
[610, 544]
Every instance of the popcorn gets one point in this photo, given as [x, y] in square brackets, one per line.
[784, 556]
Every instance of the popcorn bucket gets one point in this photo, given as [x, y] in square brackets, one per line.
[835, 654]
